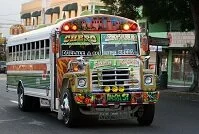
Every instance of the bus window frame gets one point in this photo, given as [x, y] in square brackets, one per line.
[33, 55]
[10, 53]
[29, 51]
[41, 48]
[24, 51]
[37, 45]
[20, 52]
[47, 48]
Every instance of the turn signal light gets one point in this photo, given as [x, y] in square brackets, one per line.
[75, 68]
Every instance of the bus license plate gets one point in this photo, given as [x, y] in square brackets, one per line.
[119, 115]
[124, 97]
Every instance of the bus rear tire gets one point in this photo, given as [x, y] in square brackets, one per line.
[145, 114]
[71, 116]
[24, 102]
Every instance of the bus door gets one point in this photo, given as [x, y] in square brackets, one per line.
[55, 50]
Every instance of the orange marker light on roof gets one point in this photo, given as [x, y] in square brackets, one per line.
[134, 26]
[66, 27]
[126, 27]
[74, 27]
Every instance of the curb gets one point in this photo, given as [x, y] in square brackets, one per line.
[178, 92]
[178, 89]
[186, 95]
[180, 96]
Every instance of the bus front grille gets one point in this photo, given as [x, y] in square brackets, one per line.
[111, 77]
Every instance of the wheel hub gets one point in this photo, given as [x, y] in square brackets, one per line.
[21, 99]
[66, 110]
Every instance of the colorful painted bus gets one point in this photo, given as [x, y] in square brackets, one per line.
[88, 65]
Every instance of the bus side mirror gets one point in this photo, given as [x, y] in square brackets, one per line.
[144, 45]
[147, 58]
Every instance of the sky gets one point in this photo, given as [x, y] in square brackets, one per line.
[9, 14]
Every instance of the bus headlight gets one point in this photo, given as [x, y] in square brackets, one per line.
[148, 80]
[82, 82]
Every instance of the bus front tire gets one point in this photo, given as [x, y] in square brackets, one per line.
[145, 114]
[72, 114]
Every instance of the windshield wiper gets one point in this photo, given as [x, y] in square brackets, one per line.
[90, 44]
[86, 38]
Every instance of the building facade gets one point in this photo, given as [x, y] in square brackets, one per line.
[180, 71]
[172, 57]
[45, 12]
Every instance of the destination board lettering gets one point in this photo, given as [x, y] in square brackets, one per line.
[87, 53]
[115, 37]
[120, 52]
[101, 63]
[80, 38]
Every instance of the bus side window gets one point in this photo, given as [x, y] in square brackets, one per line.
[42, 49]
[28, 52]
[20, 52]
[32, 50]
[24, 52]
[10, 53]
[37, 50]
[47, 42]
[17, 52]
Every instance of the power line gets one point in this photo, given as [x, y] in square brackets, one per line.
[4, 27]
[10, 20]
[7, 23]
[8, 14]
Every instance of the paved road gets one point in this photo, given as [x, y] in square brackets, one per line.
[175, 114]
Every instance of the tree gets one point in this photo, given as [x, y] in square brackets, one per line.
[2, 48]
[184, 11]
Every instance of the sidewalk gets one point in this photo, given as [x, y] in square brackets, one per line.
[178, 90]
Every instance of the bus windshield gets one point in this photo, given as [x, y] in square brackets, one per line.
[119, 44]
[120, 49]
[99, 44]
[80, 50]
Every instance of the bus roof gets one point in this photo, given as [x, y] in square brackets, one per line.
[34, 35]
[96, 15]
[44, 33]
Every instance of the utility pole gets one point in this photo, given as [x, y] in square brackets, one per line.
[45, 5]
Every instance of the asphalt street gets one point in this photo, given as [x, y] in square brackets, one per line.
[175, 114]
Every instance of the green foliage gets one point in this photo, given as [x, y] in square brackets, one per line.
[86, 12]
[125, 8]
[42, 26]
[169, 10]
[154, 10]
[2, 57]
[58, 20]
